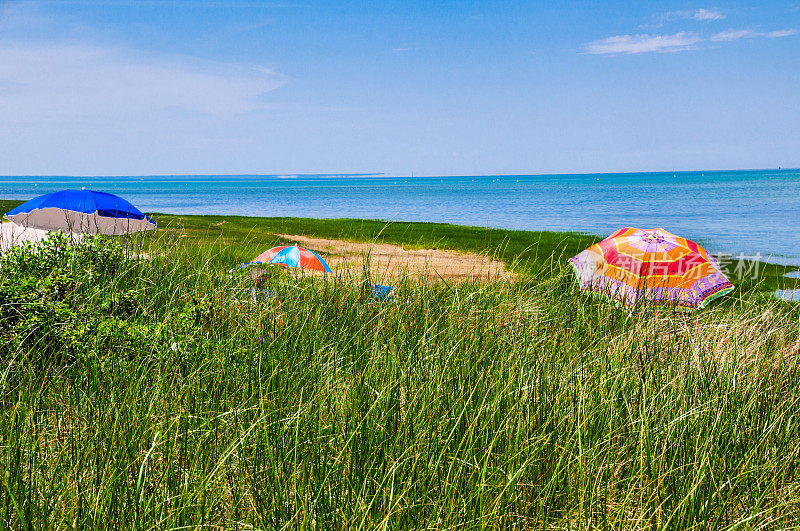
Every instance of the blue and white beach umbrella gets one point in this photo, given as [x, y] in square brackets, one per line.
[81, 211]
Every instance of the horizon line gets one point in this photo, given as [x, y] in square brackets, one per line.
[397, 175]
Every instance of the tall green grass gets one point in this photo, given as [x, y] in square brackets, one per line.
[171, 400]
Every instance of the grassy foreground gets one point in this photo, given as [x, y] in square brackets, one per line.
[154, 394]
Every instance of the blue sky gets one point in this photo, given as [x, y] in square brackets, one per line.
[113, 87]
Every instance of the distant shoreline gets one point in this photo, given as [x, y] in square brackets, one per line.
[389, 175]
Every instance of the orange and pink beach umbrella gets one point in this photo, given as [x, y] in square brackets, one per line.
[653, 267]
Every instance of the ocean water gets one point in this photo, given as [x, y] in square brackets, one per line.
[754, 213]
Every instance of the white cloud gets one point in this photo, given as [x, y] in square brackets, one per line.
[733, 35]
[45, 83]
[780, 33]
[706, 14]
[703, 15]
[635, 44]
[72, 100]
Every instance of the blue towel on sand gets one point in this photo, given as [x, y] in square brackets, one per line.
[381, 293]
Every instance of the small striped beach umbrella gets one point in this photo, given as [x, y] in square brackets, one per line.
[81, 211]
[293, 256]
[653, 267]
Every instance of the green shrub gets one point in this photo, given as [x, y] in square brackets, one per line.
[53, 291]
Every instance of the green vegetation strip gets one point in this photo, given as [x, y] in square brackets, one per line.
[530, 253]
[238, 239]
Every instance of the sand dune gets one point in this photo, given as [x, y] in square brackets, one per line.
[389, 261]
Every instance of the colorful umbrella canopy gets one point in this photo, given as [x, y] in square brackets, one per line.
[293, 256]
[81, 211]
[651, 266]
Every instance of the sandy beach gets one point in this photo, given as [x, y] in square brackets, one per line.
[390, 262]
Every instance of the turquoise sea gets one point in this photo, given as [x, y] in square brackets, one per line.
[751, 212]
